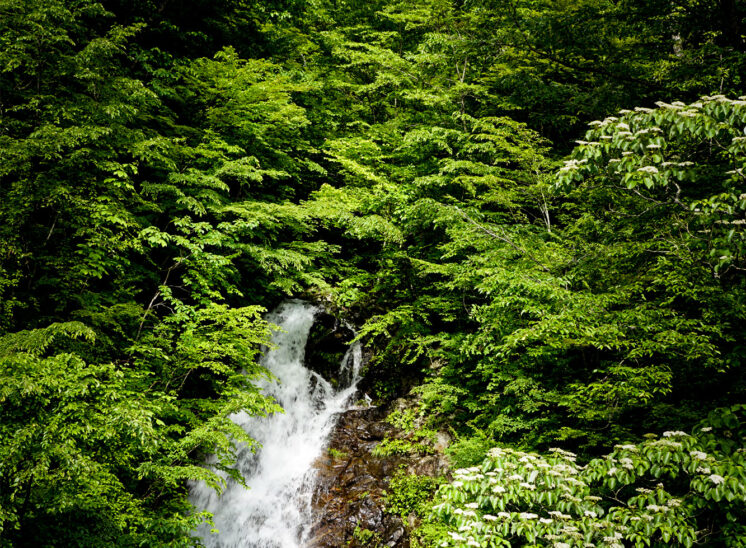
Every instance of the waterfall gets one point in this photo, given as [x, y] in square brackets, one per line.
[274, 512]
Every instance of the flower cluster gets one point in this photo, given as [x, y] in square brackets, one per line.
[649, 152]
[638, 145]
[519, 497]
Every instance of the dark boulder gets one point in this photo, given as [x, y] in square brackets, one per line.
[327, 344]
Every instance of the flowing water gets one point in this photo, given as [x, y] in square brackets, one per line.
[274, 512]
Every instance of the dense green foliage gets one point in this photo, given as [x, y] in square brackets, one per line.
[168, 170]
[678, 489]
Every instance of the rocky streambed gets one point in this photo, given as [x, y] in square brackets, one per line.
[348, 502]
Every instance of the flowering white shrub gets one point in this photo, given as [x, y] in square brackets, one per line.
[649, 153]
[679, 489]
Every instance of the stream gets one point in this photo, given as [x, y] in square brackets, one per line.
[275, 511]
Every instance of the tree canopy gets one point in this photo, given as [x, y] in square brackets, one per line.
[534, 210]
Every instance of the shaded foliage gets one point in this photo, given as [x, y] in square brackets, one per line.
[170, 168]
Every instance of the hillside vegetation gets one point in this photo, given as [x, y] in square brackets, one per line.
[535, 211]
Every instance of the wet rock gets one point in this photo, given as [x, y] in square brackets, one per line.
[327, 344]
[348, 501]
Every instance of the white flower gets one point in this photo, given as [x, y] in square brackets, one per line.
[498, 489]
[456, 536]
[706, 429]
[626, 447]
[652, 146]
[643, 109]
[676, 105]
[503, 514]
[472, 542]
[527, 515]
[699, 455]
[562, 453]
[529, 486]
[703, 470]
[472, 505]
[566, 468]
[611, 471]
[590, 514]
[674, 433]
[545, 521]
[515, 477]
[561, 545]
[669, 443]
[622, 125]
[489, 517]
[648, 169]
[717, 480]
[458, 483]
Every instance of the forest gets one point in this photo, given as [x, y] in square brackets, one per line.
[533, 210]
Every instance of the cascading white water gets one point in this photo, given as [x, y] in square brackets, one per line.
[274, 512]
